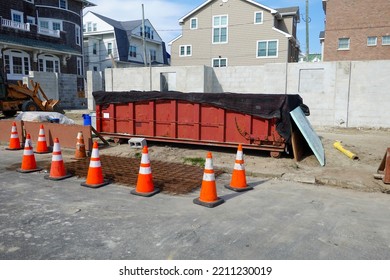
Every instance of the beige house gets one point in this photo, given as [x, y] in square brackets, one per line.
[222, 33]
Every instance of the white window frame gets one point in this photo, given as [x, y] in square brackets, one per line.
[149, 32]
[185, 50]
[267, 49]
[11, 53]
[79, 64]
[63, 2]
[89, 26]
[372, 44]
[196, 23]
[344, 48]
[110, 51]
[18, 13]
[77, 31]
[153, 55]
[262, 17]
[50, 23]
[220, 27]
[219, 62]
[94, 48]
[44, 58]
[56, 22]
[388, 40]
[31, 19]
[94, 26]
[40, 21]
[133, 51]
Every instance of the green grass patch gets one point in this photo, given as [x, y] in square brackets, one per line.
[138, 155]
[195, 161]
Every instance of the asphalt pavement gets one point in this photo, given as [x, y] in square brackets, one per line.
[43, 219]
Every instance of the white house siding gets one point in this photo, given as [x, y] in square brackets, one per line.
[243, 35]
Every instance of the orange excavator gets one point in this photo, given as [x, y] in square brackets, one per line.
[16, 97]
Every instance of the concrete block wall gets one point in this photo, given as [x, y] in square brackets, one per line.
[47, 81]
[339, 94]
[69, 95]
[369, 94]
[188, 79]
[60, 86]
[94, 83]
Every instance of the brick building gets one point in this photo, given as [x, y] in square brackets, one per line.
[43, 36]
[356, 30]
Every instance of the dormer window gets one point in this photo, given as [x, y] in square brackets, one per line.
[63, 4]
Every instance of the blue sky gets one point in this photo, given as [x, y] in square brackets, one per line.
[165, 14]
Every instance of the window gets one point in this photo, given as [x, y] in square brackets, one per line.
[133, 51]
[78, 35]
[49, 63]
[344, 43]
[185, 50]
[50, 24]
[386, 40]
[89, 26]
[17, 16]
[153, 55]
[84, 27]
[219, 62]
[267, 48]
[109, 48]
[17, 62]
[30, 20]
[63, 4]
[94, 26]
[44, 24]
[220, 29]
[94, 48]
[7, 64]
[148, 32]
[258, 17]
[56, 25]
[372, 41]
[194, 23]
[79, 66]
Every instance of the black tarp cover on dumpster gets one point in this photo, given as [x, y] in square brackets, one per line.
[266, 106]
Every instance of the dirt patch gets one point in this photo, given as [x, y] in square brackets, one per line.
[339, 171]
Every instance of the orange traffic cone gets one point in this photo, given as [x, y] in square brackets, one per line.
[14, 142]
[28, 162]
[57, 168]
[238, 182]
[80, 147]
[41, 144]
[95, 173]
[145, 186]
[208, 192]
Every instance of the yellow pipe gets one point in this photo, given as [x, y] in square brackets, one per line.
[349, 154]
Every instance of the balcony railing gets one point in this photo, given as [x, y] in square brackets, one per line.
[15, 24]
[49, 32]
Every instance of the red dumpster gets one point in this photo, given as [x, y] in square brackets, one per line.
[257, 121]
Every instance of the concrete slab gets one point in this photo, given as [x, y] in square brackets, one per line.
[42, 219]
